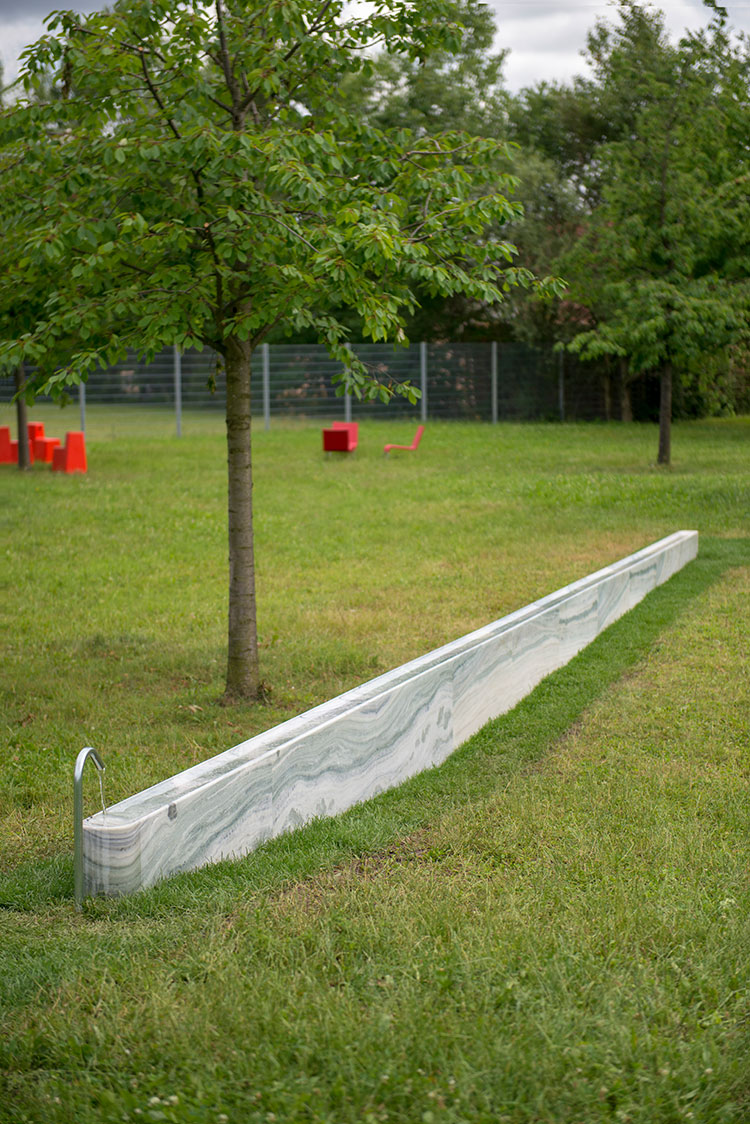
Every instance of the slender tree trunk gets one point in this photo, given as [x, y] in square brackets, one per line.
[607, 398]
[665, 414]
[22, 421]
[243, 676]
[626, 404]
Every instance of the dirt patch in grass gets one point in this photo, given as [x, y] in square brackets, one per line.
[313, 895]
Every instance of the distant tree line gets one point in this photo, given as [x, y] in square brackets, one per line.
[635, 184]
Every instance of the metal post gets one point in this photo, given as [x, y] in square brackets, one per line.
[82, 404]
[178, 389]
[266, 385]
[493, 380]
[561, 384]
[81, 760]
[347, 407]
[423, 378]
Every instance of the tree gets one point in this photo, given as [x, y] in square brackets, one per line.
[443, 90]
[564, 125]
[663, 263]
[14, 303]
[201, 184]
[456, 87]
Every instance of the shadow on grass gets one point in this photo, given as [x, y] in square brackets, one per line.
[473, 772]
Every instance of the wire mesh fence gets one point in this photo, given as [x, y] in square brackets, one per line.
[465, 381]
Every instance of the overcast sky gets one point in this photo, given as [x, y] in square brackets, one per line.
[545, 39]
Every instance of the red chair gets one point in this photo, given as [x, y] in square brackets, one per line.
[36, 430]
[72, 456]
[342, 437]
[411, 448]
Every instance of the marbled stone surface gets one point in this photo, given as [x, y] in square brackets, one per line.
[365, 741]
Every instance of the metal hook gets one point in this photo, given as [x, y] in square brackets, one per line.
[81, 760]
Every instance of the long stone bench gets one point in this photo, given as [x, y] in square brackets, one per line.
[365, 741]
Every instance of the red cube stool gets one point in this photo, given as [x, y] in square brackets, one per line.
[342, 437]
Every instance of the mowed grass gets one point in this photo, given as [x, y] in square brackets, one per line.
[551, 927]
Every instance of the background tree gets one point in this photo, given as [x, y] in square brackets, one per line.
[663, 261]
[16, 306]
[204, 186]
[451, 87]
[563, 124]
[443, 90]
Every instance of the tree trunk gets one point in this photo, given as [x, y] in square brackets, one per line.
[243, 676]
[607, 397]
[22, 421]
[626, 404]
[665, 414]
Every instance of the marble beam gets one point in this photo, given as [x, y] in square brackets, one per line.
[365, 741]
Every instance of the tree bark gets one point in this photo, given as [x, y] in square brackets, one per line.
[665, 414]
[626, 404]
[243, 674]
[607, 385]
[22, 421]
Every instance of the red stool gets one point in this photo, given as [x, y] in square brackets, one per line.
[44, 447]
[71, 457]
[342, 437]
[5, 445]
[14, 452]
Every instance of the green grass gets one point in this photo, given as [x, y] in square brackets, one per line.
[551, 927]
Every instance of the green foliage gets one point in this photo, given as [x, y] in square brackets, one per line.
[461, 89]
[561, 124]
[200, 181]
[660, 271]
[458, 88]
[655, 253]
[663, 263]
[552, 213]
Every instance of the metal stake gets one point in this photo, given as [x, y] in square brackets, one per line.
[81, 760]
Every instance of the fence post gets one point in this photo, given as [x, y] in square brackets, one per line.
[493, 380]
[561, 384]
[82, 404]
[178, 389]
[347, 407]
[266, 385]
[423, 379]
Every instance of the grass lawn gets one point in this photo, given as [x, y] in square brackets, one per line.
[552, 927]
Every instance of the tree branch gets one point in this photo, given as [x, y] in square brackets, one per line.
[155, 95]
[226, 66]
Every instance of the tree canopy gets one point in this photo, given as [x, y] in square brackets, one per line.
[663, 260]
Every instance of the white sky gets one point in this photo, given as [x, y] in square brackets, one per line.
[545, 39]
